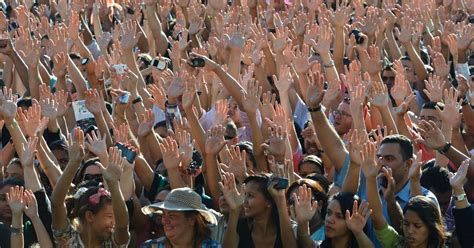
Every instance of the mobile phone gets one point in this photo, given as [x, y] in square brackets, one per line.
[128, 153]
[120, 68]
[197, 62]
[281, 183]
[123, 99]
[384, 182]
[158, 63]
[357, 35]
[193, 168]
[84, 61]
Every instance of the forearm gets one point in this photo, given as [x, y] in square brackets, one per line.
[303, 235]
[458, 141]
[17, 136]
[330, 140]
[339, 48]
[41, 233]
[387, 119]
[144, 172]
[175, 179]
[257, 141]
[161, 43]
[127, 184]
[50, 168]
[196, 129]
[373, 197]
[103, 128]
[16, 240]
[231, 84]
[34, 82]
[121, 233]
[231, 237]
[351, 183]
[329, 68]
[420, 69]
[77, 79]
[21, 68]
[286, 231]
[213, 177]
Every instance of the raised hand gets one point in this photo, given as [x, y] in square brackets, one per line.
[146, 123]
[268, 105]
[96, 143]
[370, 60]
[28, 152]
[93, 101]
[32, 121]
[276, 143]
[400, 88]
[301, 62]
[357, 140]
[441, 67]
[75, 144]
[434, 88]
[159, 94]
[431, 135]
[414, 173]
[189, 94]
[49, 108]
[315, 91]
[114, 169]
[222, 108]
[171, 156]
[60, 64]
[186, 145]
[304, 207]
[130, 35]
[176, 87]
[280, 41]
[369, 164]
[236, 164]
[8, 106]
[360, 214]
[325, 38]
[15, 200]
[379, 94]
[284, 80]
[215, 140]
[31, 206]
[233, 197]
[457, 180]
[450, 114]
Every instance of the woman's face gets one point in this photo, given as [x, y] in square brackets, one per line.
[255, 203]
[176, 224]
[223, 206]
[291, 201]
[335, 223]
[415, 230]
[103, 222]
[309, 168]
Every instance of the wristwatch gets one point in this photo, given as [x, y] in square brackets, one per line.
[460, 197]
[443, 150]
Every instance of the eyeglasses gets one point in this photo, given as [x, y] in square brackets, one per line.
[339, 112]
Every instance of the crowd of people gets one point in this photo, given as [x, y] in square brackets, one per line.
[244, 123]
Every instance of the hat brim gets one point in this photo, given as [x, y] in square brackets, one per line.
[157, 208]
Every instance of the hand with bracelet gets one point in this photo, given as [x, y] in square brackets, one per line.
[457, 183]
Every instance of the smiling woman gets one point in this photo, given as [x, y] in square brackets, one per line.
[185, 221]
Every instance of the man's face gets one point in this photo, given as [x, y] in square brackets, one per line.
[430, 115]
[342, 118]
[62, 157]
[389, 155]
[410, 71]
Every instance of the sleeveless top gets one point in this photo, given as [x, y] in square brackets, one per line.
[245, 234]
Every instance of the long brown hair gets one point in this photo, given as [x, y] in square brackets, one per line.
[201, 229]
[430, 214]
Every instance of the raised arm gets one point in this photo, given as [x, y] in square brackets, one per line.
[112, 175]
[76, 154]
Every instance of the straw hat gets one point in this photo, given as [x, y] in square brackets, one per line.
[181, 199]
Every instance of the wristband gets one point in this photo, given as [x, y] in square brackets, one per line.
[312, 110]
[331, 64]
[16, 230]
[137, 100]
[445, 148]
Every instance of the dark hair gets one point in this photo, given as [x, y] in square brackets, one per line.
[432, 105]
[430, 214]
[77, 208]
[58, 144]
[262, 181]
[346, 201]
[436, 178]
[405, 144]
[313, 160]
[11, 182]
[160, 124]
[248, 148]
[80, 173]
[317, 191]
[321, 179]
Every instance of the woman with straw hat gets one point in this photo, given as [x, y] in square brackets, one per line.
[185, 220]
